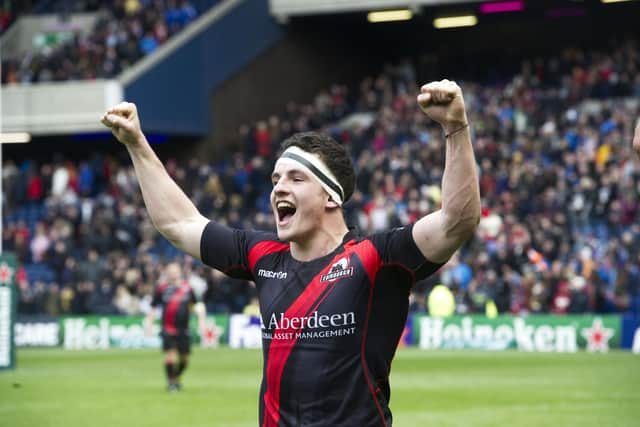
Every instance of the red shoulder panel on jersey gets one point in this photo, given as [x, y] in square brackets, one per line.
[369, 257]
[263, 248]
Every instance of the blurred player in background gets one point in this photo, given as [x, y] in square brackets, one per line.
[177, 299]
[333, 302]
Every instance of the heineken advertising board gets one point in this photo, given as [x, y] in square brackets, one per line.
[245, 331]
[8, 298]
[543, 333]
[37, 331]
[103, 332]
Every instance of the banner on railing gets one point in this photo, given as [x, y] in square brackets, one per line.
[8, 297]
[245, 331]
[544, 333]
[631, 333]
[103, 332]
[37, 331]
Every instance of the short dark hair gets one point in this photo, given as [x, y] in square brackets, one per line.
[333, 154]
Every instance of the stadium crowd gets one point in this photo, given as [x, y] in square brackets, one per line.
[124, 32]
[560, 227]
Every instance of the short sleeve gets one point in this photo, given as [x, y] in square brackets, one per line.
[157, 296]
[227, 249]
[397, 247]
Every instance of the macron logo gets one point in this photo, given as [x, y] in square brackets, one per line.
[272, 274]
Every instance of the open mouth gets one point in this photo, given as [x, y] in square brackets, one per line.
[285, 211]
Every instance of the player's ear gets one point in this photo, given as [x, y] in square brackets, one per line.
[331, 203]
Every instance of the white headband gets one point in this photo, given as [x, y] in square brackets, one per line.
[317, 169]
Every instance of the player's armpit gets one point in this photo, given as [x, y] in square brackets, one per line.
[438, 237]
[186, 234]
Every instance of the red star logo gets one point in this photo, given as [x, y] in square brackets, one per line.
[6, 274]
[211, 335]
[597, 336]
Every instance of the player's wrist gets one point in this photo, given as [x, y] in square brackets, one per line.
[453, 128]
[137, 140]
[454, 120]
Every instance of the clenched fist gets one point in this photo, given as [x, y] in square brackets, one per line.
[442, 101]
[124, 123]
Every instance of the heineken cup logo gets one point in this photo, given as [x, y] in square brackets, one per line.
[6, 274]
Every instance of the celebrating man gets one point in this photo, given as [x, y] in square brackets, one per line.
[333, 302]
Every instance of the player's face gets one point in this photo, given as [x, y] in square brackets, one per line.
[173, 274]
[298, 202]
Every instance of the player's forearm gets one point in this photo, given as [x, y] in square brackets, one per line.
[460, 189]
[148, 320]
[168, 206]
[200, 310]
[201, 313]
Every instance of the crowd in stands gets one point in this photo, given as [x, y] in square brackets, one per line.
[10, 11]
[124, 32]
[560, 227]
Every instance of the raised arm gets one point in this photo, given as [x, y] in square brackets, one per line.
[200, 311]
[439, 234]
[171, 211]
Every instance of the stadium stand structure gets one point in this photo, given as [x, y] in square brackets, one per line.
[209, 51]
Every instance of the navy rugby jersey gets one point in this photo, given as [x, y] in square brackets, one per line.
[330, 326]
[176, 302]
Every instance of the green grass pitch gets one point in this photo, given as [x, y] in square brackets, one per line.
[121, 388]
